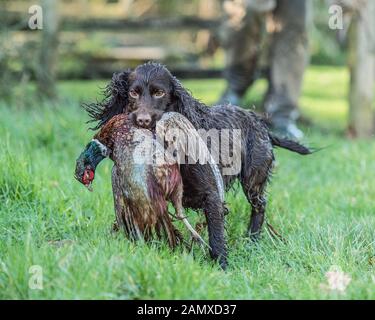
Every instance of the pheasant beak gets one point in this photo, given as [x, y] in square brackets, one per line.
[88, 177]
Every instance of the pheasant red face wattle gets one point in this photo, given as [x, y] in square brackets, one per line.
[88, 177]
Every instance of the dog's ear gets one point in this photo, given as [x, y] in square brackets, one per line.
[184, 103]
[180, 96]
[115, 100]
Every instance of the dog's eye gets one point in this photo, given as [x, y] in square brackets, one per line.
[159, 94]
[134, 94]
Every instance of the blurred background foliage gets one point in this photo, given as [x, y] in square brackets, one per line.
[95, 38]
[98, 37]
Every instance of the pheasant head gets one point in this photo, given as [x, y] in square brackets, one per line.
[88, 160]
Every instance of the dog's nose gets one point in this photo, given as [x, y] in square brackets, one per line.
[144, 120]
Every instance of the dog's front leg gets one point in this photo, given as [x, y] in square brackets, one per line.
[200, 192]
[214, 211]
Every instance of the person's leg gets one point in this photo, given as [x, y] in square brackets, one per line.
[288, 59]
[240, 36]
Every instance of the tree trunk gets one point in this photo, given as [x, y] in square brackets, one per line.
[362, 71]
[46, 71]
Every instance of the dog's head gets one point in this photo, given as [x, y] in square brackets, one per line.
[145, 93]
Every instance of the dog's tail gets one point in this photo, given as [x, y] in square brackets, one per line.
[290, 145]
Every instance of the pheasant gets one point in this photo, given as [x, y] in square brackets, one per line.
[142, 185]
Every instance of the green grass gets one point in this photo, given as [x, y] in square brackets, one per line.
[323, 205]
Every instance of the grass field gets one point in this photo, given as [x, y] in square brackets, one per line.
[323, 205]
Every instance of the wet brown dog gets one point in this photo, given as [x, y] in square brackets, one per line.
[149, 91]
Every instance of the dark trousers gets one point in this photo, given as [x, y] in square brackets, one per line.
[243, 39]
